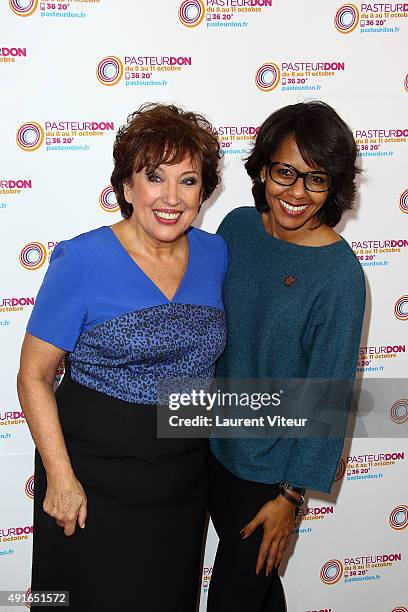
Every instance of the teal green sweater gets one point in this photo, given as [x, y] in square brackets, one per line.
[306, 327]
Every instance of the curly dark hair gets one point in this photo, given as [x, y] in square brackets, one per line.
[158, 134]
[325, 142]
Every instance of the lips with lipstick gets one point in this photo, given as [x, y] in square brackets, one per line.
[167, 216]
[293, 210]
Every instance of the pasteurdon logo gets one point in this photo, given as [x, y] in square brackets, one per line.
[331, 571]
[403, 202]
[107, 200]
[191, 13]
[347, 18]
[33, 255]
[399, 517]
[401, 308]
[267, 76]
[109, 71]
[23, 8]
[341, 470]
[399, 411]
[29, 487]
[30, 136]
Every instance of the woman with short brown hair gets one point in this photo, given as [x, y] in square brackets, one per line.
[127, 306]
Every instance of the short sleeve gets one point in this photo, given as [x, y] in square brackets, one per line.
[60, 308]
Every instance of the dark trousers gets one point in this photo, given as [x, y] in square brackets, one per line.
[234, 585]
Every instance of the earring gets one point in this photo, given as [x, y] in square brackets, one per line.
[263, 179]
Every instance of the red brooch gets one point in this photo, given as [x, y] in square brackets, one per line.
[290, 280]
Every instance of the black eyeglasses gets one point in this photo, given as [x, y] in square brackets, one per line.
[286, 175]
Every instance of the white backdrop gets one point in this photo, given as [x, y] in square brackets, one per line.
[70, 73]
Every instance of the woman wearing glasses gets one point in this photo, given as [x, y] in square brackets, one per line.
[294, 295]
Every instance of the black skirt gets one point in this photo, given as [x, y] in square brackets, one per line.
[141, 546]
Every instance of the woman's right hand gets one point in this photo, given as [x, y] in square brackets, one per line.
[66, 501]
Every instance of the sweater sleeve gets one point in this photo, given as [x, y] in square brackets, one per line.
[60, 310]
[335, 339]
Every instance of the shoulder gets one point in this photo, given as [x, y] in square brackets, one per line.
[237, 223]
[344, 280]
[88, 240]
[238, 217]
[210, 250]
[215, 242]
[81, 248]
[348, 268]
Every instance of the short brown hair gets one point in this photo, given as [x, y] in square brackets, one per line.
[158, 134]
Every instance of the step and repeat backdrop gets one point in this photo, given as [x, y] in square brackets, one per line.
[70, 73]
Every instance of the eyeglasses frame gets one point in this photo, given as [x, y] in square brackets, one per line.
[302, 175]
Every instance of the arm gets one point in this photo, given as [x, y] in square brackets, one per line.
[334, 340]
[53, 330]
[65, 498]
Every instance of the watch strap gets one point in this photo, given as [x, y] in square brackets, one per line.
[289, 487]
[293, 500]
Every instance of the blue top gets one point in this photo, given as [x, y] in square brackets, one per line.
[121, 332]
[293, 312]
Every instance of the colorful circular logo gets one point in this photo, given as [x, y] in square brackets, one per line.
[33, 256]
[347, 18]
[107, 200]
[191, 13]
[29, 487]
[331, 571]
[400, 609]
[109, 70]
[23, 8]
[399, 517]
[341, 469]
[30, 136]
[401, 308]
[267, 76]
[399, 411]
[403, 202]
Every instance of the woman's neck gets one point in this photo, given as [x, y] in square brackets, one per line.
[308, 235]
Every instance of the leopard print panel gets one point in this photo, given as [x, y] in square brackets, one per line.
[127, 356]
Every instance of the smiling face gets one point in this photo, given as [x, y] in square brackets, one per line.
[291, 209]
[166, 200]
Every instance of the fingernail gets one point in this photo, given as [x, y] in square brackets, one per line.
[83, 526]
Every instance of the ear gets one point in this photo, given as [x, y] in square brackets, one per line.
[126, 189]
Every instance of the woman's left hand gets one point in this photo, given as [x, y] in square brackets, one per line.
[277, 518]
